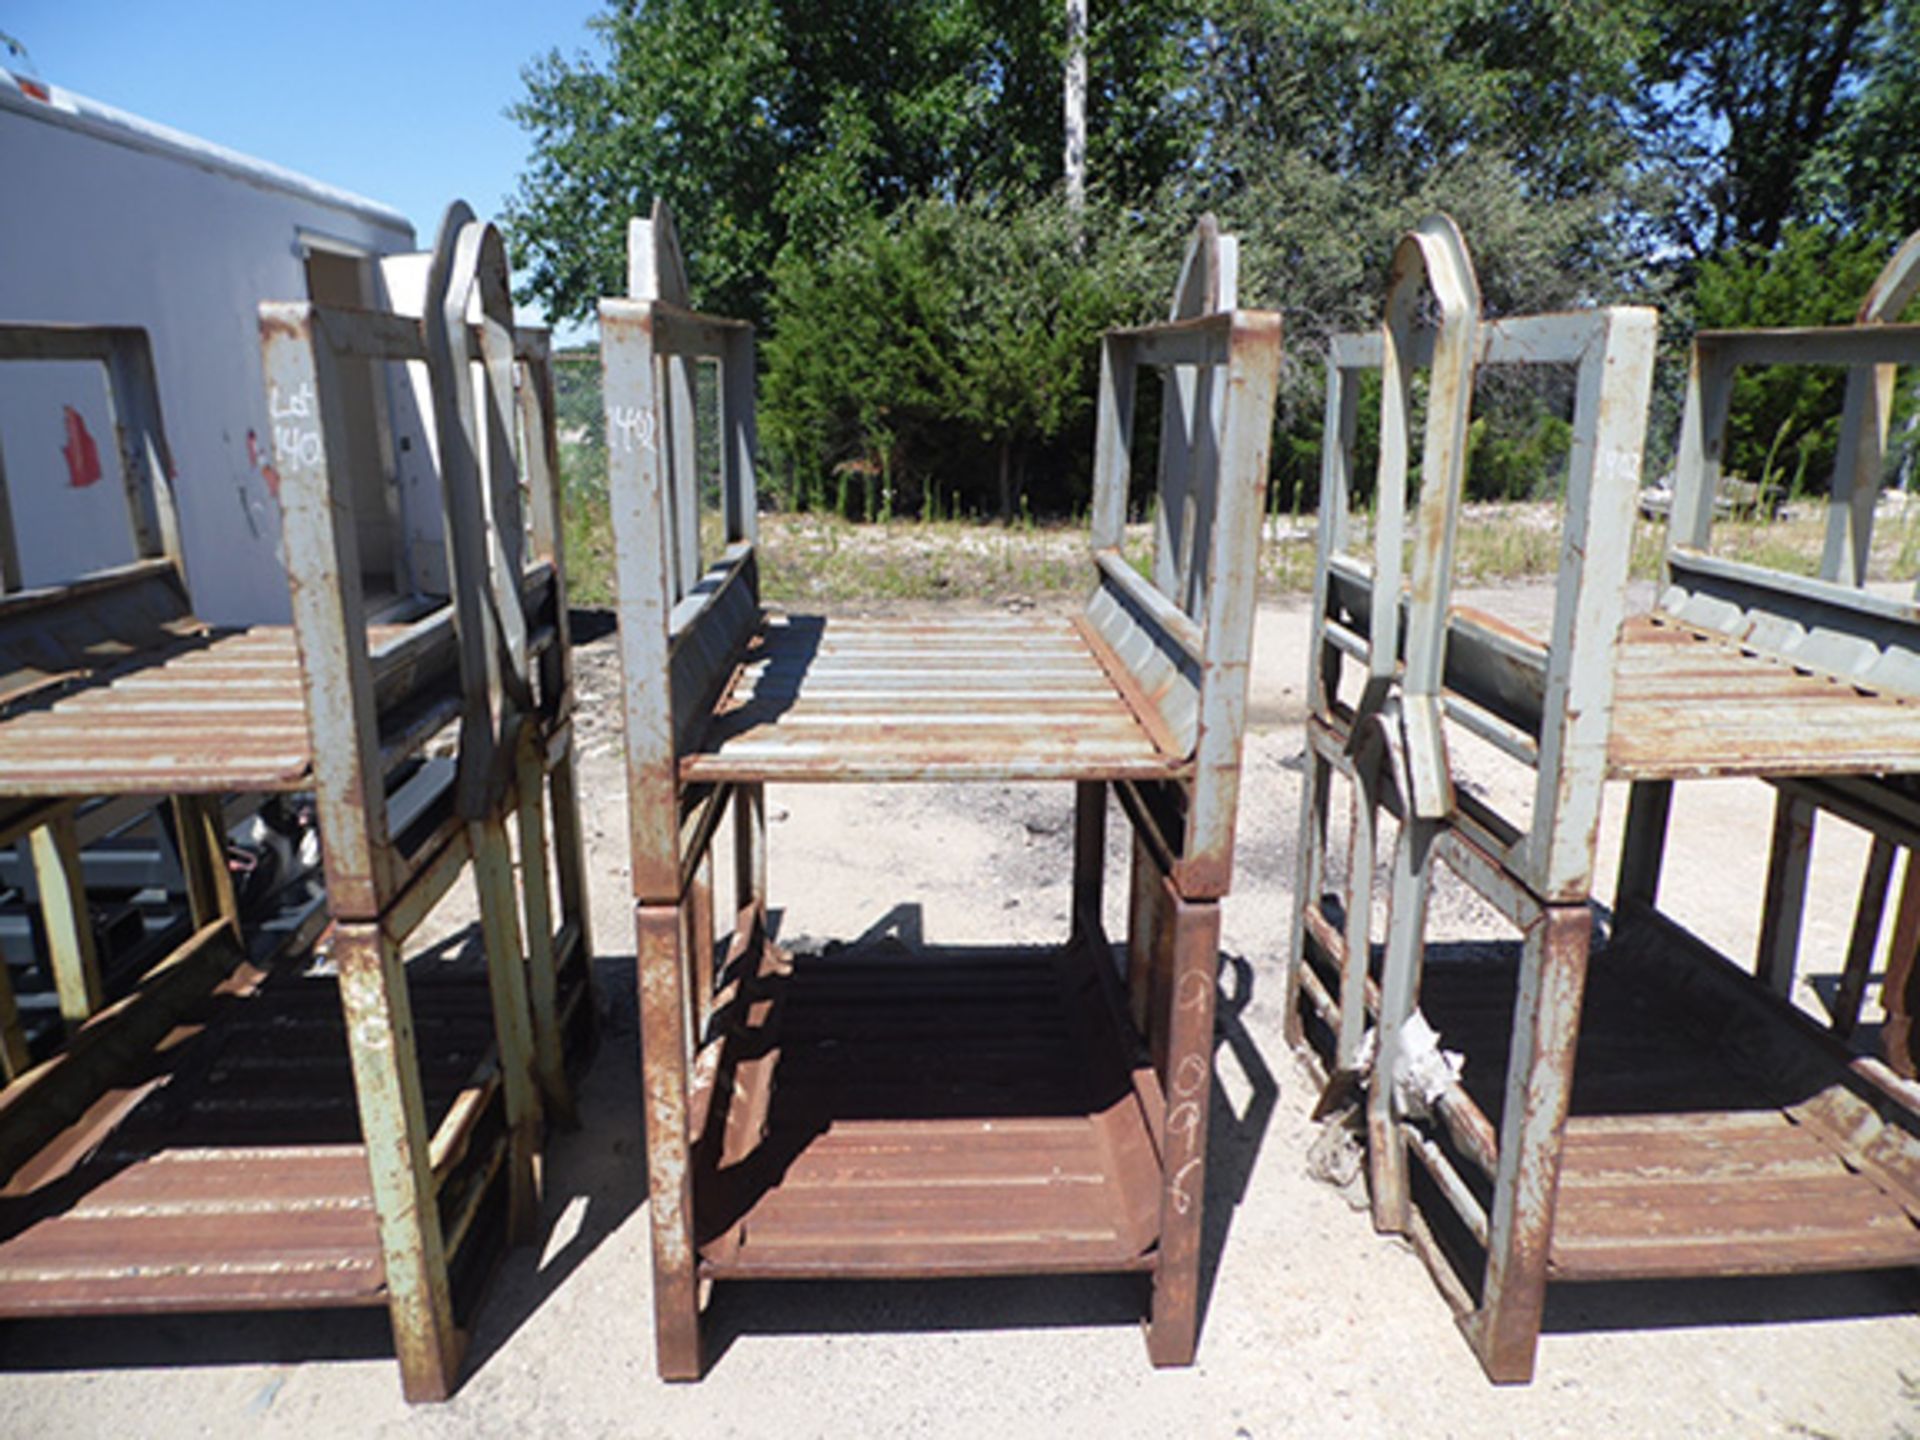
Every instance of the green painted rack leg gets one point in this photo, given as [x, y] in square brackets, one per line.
[386, 1074]
[63, 908]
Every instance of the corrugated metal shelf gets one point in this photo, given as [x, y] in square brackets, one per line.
[933, 1113]
[1692, 704]
[1691, 1150]
[231, 1174]
[1005, 698]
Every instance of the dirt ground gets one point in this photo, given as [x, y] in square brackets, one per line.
[1313, 1324]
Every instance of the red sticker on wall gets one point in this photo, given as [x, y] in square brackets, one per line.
[83, 457]
[267, 473]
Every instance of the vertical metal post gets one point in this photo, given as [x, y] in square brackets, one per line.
[1856, 473]
[750, 847]
[1643, 845]
[638, 506]
[144, 463]
[329, 617]
[697, 908]
[1553, 974]
[739, 439]
[1863, 428]
[540, 462]
[1089, 856]
[569, 861]
[1112, 443]
[1399, 993]
[553, 744]
[536, 893]
[386, 1082]
[63, 911]
[1143, 906]
[1703, 428]
[1341, 427]
[1612, 388]
[1233, 554]
[201, 827]
[663, 1057]
[1189, 952]
[1188, 448]
[1362, 856]
[1865, 940]
[513, 1032]
[1786, 894]
[1315, 797]
[683, 474]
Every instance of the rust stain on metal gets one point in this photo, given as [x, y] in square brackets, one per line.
[363, 1139]
[1672, 1161]
[968, 1112]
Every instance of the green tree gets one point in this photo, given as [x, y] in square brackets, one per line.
[1334, 124]
[950, 350]
[774, 127]
[1390, 90]
[1864, 171]
[1737, 100]
[872, 179]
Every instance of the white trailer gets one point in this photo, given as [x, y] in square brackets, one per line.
[108, 219]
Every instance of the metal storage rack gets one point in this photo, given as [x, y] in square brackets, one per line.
[1708, 1127]
[965, 1112]
[214, 1090]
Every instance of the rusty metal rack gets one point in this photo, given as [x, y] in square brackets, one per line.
[225, 1138]
[1677, 1116]
[953, 1112]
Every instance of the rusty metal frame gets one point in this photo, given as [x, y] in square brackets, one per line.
[1835, 625]
[1175, 649]
[515, 753]
[680, 628]
[492, 658]
[1831, 624]
[1547, 706]
[1554, 705]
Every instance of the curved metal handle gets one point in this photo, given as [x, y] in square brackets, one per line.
[484, 528]
[1897, 283]
[1193, 426]
[1209, 273]
[1430, 258]
[656, 268]
[480, 265]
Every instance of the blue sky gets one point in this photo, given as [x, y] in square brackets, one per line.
[401, 102]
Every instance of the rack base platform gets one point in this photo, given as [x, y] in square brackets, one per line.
[1714, 1129]
[227, 1173]
[885, 1111]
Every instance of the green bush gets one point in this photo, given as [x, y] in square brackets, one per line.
[1783, 426]
[1512, 455]
[944, 360]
